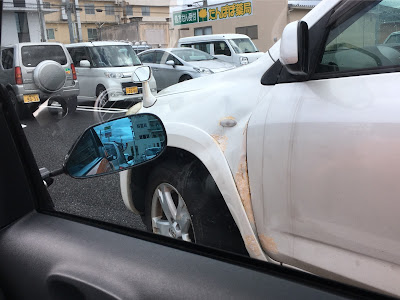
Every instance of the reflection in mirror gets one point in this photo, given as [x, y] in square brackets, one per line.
[141, 74]
[116, 145]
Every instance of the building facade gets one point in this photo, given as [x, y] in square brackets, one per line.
[262, 20]
[23, 21]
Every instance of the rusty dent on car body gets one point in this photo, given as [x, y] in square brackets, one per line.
[268, 244]
[222, 141]
[252, 244]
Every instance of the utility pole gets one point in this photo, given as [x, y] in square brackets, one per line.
[43, 36]
[78, 21]
[69, 18]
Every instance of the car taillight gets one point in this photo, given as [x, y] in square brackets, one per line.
[73, 72]
[18, 75]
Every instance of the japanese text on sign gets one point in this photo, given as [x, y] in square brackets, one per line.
[215, 12]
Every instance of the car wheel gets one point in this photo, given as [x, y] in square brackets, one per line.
[102, 97]
[21, 110]
[184, 78]
[183, 202]
[72, 104]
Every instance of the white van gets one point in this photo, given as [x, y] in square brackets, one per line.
[107, 66]
[234, 48]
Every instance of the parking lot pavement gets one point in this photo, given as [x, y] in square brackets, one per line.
[97, 198]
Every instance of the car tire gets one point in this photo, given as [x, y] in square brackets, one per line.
[184, 78]
[198, 203]
[21, 109]
[101, 93]
[72, 104]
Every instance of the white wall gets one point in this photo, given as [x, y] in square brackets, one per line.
[9, 33]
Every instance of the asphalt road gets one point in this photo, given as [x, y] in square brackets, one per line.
[96, 198]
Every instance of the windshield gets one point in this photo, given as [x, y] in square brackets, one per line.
[243, 46]
[192, 55]
[113, 56]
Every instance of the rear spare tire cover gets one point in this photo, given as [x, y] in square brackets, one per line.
[49, 76]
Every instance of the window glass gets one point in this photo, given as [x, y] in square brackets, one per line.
[110, 10]
[158, 56]
[221, 48]
[206, 47]
[7, 58]
[243, 46]
[78, 54]
[50, 34]
[359, 43]
[250, 31]
[192, 54]
[46, 5]
[21, 20]
[89, 9]
[203, 30]
[33, 55]
[113, 56]
[174, 59]
[145, 11]
[92, 34]
[129, 10]
[147, 57]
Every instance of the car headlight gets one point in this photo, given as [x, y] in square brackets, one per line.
[203, 70]
[113, 75]
[244, 60]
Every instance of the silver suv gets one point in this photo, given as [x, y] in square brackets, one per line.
[35, 72]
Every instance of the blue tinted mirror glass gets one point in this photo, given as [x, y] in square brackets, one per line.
[116, 145]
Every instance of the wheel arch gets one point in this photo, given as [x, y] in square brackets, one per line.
[189, 142]
[185, 75]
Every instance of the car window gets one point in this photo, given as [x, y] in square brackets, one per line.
[33, 55]
[206, 47]
[147, 57]
[78, 54]
[174, 59]
[357, 43]
[221, 48]
[158, 56]
[7, 58]
[192, 54]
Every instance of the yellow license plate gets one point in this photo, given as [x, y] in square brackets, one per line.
[31, 98]
[131, 90]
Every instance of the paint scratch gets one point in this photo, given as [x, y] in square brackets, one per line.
[268, 244]
[221, 140]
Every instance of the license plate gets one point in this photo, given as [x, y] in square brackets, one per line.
[131, 90]
[31, 98]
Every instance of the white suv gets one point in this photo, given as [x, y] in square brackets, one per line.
[106, 68]
[299, 150]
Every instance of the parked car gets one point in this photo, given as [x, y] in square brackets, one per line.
[34, 72]
[299, 150]
[106, 68]
[140, 47]
[174, 65]
[149, 153]
[233, 48]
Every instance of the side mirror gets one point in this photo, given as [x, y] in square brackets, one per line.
[170, 63]
[294, 48]
[141, 74]
[115, 139]
[84, 63]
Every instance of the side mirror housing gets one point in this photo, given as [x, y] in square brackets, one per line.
[141, 74]
[294, 48]
[84, 63]
[170, 63]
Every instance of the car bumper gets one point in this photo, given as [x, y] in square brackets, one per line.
[66, 92]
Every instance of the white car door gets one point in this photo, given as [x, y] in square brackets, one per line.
[330, 161]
